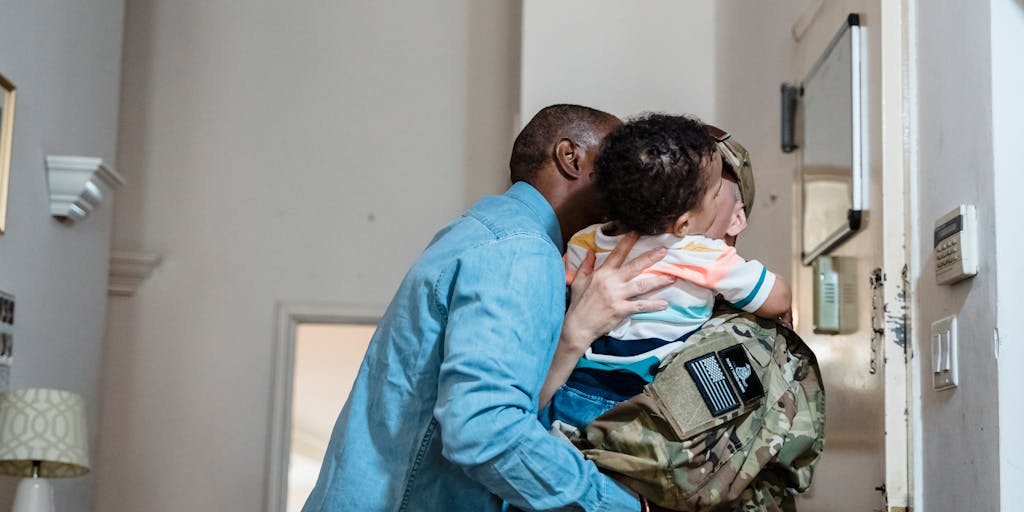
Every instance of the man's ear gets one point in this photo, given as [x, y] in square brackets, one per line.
[738, 222]
[681, 224]
[567, 155]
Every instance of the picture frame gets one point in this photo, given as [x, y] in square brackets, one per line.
[7, 96]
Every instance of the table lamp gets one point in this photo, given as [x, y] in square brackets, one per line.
[42, 435]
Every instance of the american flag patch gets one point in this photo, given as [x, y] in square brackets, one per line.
[708, 375]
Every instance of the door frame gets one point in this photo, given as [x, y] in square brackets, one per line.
[898, 140]
[288, 316]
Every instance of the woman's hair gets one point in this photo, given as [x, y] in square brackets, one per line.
[649, 170]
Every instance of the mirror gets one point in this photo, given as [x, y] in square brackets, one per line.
[832, 167]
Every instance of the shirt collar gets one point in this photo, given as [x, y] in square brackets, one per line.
[526, 194]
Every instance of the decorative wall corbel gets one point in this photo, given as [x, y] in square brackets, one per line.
[128, 269]
[76, 184]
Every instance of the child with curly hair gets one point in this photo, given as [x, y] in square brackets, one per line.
[660, 176]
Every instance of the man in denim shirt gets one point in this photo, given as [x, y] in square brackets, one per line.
[442, 415]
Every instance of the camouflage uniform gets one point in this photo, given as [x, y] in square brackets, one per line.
[676, 445]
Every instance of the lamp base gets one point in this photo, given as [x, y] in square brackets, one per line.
[34, 495]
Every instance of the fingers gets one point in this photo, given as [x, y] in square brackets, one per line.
[621, 250]
[581, 280]
[642, 262]
[587, 266]
[650, 284]
[646, 306]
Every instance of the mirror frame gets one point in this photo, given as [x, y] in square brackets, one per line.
[858, 205]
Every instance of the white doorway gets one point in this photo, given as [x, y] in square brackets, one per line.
[319, 350]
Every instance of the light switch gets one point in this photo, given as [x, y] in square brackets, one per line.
[944, 353]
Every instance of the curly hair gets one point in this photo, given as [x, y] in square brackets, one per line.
[649, 171]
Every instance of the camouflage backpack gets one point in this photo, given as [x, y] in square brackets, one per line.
[735, 422]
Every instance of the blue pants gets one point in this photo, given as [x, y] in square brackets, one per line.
[575, 407]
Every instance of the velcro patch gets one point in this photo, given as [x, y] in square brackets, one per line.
[713, 384]
[741, 373]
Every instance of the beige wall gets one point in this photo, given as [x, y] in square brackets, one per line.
[853, 465]
[755, 54]
[621, 57]
[302, 150]
[64, 57]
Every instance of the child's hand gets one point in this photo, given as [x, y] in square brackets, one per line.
[786, 318]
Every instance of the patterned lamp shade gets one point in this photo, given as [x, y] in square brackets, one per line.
[46, 425]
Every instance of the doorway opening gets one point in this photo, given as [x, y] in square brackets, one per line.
[319, 351]
[327, 358]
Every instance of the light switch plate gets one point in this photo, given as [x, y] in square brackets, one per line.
[944, 353]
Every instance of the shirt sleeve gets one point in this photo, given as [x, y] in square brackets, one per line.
[747, 284]
[504, 317]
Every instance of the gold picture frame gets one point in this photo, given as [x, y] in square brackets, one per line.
[7, 91]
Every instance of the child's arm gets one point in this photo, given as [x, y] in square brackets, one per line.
[779, 301]
[749, 286]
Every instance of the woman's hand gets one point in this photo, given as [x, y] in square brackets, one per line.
[601, 300]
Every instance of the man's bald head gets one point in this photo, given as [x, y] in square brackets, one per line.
[535, 145]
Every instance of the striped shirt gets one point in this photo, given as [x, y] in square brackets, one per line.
[703, 267]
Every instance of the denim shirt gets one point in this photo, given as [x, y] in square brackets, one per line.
[443, 412]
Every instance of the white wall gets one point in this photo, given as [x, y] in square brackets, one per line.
[952, 164]
[620, 57]
[1007, 133]
[277, 151]
[64, 58]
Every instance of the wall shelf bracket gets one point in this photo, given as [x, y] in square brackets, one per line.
[76, 185]
[128, 269]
